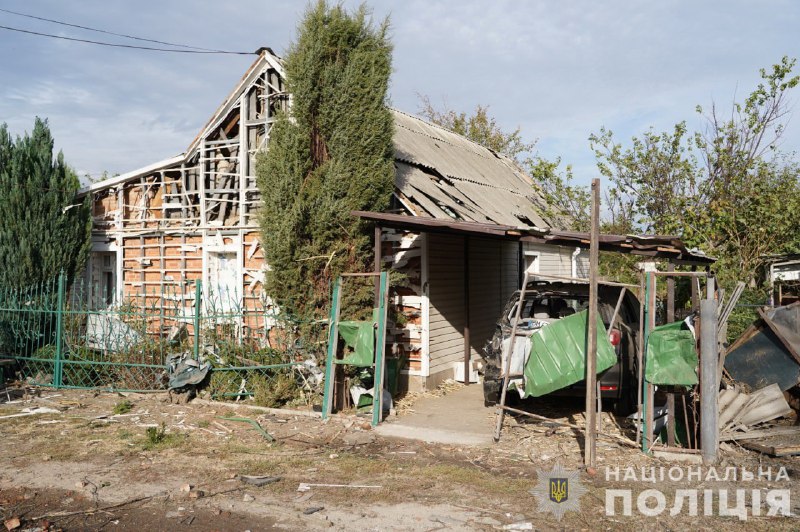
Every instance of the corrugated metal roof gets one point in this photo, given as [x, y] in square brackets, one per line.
[443, 174]
[447, 175]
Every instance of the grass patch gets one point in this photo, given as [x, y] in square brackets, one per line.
[157, 438]
[279, 465]
[203, 423]
[123, 407]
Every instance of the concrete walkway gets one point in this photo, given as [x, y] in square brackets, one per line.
[458, 418]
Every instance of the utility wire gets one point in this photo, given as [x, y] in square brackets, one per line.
[150, 48]
[107, 32]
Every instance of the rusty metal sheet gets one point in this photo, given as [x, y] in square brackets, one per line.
[761, 356]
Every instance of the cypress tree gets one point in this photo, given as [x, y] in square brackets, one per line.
[43, 227]
[329, 154]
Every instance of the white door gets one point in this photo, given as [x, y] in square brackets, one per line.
[103, 282]
[223, 291]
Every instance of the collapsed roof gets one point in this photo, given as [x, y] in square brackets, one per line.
[439, 173]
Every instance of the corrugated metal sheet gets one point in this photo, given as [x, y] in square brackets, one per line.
[761, 357]
[558, 354]
[447, 175]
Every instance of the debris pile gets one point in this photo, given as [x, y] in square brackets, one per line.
[744, 416]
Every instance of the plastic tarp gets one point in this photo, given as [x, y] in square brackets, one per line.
[360, 337]
[558, 354]
[671, 356]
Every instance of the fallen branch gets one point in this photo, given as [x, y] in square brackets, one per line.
[96, 510]
[277, 411]
[105, 509]
[252, 422]
[618, 439]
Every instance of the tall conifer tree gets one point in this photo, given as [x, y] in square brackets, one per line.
[44, 229]
[331, 153]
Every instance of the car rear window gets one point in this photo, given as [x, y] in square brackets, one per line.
[547, 307]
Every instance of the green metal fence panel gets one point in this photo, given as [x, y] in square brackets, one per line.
[77, 337]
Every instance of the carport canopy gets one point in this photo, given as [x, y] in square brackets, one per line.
[666, 247]
[670, 248]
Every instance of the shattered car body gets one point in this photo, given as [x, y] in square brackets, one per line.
[547, 302]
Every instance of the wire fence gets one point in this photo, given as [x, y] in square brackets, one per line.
[240, 346]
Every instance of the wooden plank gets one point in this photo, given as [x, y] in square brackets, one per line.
[756, 434]
[775, 446]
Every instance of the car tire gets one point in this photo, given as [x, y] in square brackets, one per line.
[491, 392]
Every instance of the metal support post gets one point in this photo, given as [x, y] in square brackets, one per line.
[333, 340]
[380, 350]
[198, 290]
[709, 387]
[59, 365]
[466, 311]
[670, 318]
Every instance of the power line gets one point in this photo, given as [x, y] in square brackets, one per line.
[108, 32]
[149, 48]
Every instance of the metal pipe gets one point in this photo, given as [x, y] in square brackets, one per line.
[508, 352]
[466, 311]
[377, 266]
[590, 448]
[709, 387]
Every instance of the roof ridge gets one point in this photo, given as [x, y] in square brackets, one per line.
[448, 130]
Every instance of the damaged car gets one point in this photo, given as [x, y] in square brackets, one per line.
[547, 303]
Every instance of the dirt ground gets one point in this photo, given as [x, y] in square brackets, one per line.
[109, 461]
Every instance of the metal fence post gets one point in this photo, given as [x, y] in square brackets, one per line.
[197, 292]
[709, 385]
[58, 368]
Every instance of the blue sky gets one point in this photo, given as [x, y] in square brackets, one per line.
[558, 69]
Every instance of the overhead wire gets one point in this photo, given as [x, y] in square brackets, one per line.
[116, 45]
[108, 32]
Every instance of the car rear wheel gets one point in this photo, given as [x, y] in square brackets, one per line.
[626, 404]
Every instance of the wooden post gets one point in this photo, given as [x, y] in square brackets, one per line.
[695, 291]
[466, 311]
[591, 350]
[670, 294]
[709, 387]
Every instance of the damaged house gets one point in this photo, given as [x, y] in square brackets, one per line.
[158, 229]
